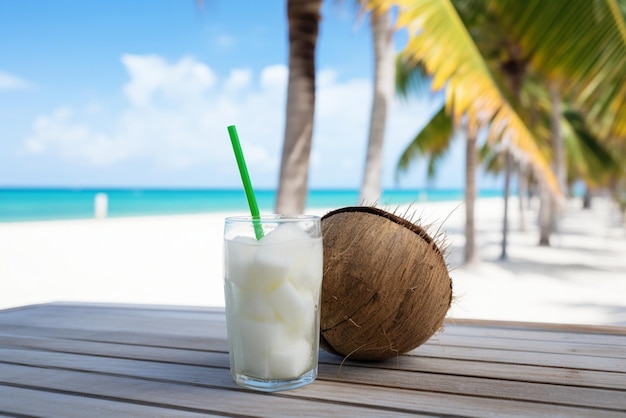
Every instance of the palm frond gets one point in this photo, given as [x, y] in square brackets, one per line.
[581, 46]
[433, 141]
[588, 157]
[410, 78]
[439, 39]
[491, 159]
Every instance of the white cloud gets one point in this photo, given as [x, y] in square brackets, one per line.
[238, 79]
[176, 116]
[60, 132]
[151, 74]
[274, 77]
[12, 82]
[325, 77]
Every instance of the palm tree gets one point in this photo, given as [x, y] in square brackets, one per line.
[434, 141]
[384, 69]
[472, 93]
[549, 206]
[589, 69]
[303, 17]
[587, 158]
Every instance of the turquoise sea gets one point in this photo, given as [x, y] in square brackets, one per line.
[34, 204]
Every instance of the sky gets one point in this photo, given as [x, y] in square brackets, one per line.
[111, 93]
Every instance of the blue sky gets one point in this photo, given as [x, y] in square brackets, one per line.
[139, 94]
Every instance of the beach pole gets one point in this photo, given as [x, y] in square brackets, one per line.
[101, 205]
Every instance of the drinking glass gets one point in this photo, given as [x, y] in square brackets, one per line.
[272, 284]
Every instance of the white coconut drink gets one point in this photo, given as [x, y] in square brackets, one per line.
[272, 287]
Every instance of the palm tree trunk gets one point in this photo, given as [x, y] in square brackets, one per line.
[471, 162]
[303, 17]
[384, 72]
[558, 145]
[587, 197]
[545, 215]
[549, 207]
[507, 191]
[515, 70]
[522, 194]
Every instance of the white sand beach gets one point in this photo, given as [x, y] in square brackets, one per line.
[177, 260]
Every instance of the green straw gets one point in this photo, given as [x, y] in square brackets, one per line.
[247, 184]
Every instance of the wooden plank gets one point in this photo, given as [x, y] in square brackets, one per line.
[320, 399]
[223, 399]
[218, 375]
[535, 345]
[214, 376]
[538, 331]
[511, 357]
[186, 322]
[215, 339]
[120, 307]
[551, 342]
[17, 401]
[485, 369]
[161, 354]
[571, 361]
[83, 318]
[446, 404]
[567, 395]
[463, 326]
[544, 326]
[488, 369]
[133, 307]
[213, 334]
[461, 323]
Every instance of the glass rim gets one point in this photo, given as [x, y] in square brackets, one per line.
[273, 217]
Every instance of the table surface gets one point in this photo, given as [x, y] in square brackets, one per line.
[65, 360]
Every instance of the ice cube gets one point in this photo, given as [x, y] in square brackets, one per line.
[255, 305]
[239, 257]
[290, 361]
[278, 251]
[306, 326]
[284, 233]
[266, 351]
[271, 266]
[290, 305]
[306, 273]
[254, 347]
[260, 341]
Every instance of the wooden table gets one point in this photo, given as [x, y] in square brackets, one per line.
[85, 360]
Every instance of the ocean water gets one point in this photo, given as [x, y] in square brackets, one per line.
[33, 204]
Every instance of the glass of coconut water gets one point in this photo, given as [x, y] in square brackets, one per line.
[272, 283]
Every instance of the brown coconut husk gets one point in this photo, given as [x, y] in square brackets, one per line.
[386, 286]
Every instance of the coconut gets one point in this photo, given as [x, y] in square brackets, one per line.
[386, 287]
